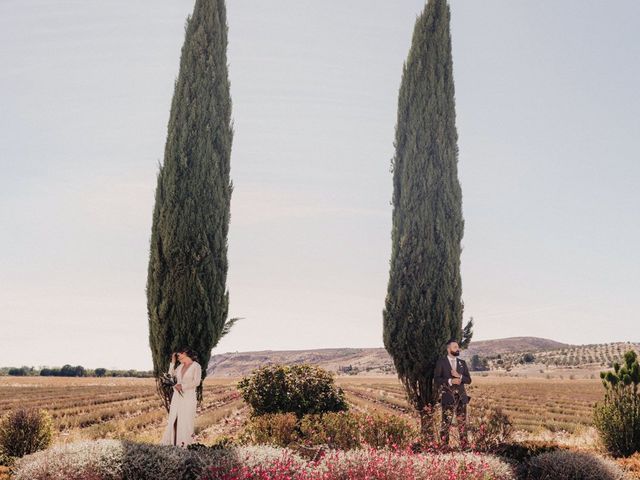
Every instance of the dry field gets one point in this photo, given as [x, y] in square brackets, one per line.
[91, 408]
[542, 409]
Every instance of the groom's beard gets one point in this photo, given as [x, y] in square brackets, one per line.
[455, 354]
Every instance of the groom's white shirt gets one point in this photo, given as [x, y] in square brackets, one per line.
[452, 362]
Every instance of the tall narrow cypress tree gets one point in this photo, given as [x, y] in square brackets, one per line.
[187, 298]
[423, 307]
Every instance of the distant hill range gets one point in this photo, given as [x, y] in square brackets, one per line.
[504, 353]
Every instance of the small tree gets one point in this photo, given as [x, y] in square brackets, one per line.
[617, 418]
[478, 364]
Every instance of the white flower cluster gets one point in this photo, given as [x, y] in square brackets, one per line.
[101, 459]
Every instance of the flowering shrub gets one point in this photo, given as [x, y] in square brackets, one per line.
[121, 460]
[488, 430]
[299, 389]
[389, 465]
[24, 431]
[286, 468]
[91, 460]
[342, 430]
[117, 460]
[374, 465]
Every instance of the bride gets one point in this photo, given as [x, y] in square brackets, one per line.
[182, 412]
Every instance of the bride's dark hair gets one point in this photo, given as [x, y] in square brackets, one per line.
[189, 353]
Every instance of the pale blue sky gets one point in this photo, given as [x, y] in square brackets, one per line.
[548, 119]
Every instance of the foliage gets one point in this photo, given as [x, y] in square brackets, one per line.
[65, 371]
[21, 372]
[220, 443]
[187, 297]
[478, 364]
[337, 430]
[118, 460]
[24, 431]
[370, 464]
[299, 389]
[520, 452]
[115, 460]
[6, 460]
[617, 417]
[423, 307]
[277, 429]
[71, 371]
[380, 431]
[565, 464]
[631, 464]
[490, 430]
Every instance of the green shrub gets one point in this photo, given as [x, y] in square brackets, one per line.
[277, 429]
[380, 431]
[24, 431]
[299, 389]
[568, 465]
[337, 430]
[617, 417]
[490, 428]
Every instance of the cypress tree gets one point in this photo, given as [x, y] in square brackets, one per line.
[187, 297]
[423, 307]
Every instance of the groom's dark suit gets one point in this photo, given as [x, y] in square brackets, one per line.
[454, 397]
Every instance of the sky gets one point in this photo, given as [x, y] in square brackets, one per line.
[548, 122]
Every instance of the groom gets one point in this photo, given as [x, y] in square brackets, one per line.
[451, 374]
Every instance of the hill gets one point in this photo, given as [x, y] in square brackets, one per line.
[594, 356]
[373, 361]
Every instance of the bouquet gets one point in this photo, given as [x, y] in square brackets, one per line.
[169, 381]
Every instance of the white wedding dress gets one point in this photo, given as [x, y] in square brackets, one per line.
[182, 412]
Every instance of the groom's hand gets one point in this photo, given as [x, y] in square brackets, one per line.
[456, 381]
[178, 388]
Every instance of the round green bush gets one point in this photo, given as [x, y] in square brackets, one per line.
[568, 465]
[299, 389]
[24, 431]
